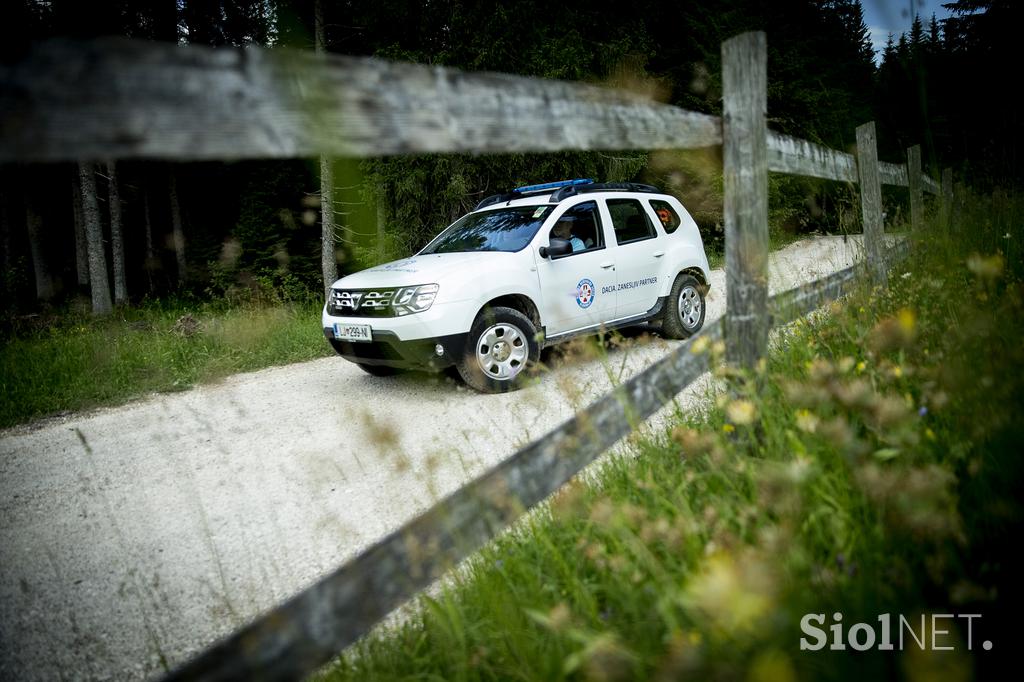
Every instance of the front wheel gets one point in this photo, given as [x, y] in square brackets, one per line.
[502, 344]
[684, 310]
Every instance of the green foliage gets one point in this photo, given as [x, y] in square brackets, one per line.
[72, 361]
[871, 466]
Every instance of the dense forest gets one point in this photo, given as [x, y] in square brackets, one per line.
[214, 229]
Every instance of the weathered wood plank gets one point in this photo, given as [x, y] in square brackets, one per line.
[914, 182]
[892, 174]
[870, 199]
[303, 633]
[745, 180]
[799, 157]
[931, 185]
[130, 99]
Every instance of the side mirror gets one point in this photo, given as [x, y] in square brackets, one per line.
[557, 247]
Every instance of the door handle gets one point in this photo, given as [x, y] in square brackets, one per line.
[659, 254]
[608, 264]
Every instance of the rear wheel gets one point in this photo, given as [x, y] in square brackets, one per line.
[684, 310]
[501, 346]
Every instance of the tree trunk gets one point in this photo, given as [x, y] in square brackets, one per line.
[5, 226]
[116, 237]
[100, 284]
[382, 219]
[81, 252]
[44, 283]
[179, 231]
[150, 256]
[328, 261]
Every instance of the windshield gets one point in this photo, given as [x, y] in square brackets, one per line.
[507, 229]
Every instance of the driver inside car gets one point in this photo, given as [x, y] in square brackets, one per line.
[563, 230]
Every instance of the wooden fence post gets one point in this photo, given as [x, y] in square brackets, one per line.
[915, 184]
[745, 167]
[871, 200]
[947, 198]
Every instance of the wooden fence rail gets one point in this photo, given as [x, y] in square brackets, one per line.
[125, 99]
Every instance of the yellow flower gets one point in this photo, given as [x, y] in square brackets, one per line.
[983, 267]
[700, 345]
[741, 412]
[806, 421]
[861, 365]
[907, 320]
[728, 428]
[897, 372]
[929, 434]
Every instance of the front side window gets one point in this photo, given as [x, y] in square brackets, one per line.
[630, 221]
[505, 229]
[581, 227]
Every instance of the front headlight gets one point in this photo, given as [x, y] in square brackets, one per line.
[416, 299]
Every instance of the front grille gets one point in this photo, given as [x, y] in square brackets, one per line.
[361, 302]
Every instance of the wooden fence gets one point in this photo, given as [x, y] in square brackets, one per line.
[124, 99]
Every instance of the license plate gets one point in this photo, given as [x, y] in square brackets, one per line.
[353, 332]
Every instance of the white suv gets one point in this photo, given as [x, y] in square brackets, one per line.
[525, 270]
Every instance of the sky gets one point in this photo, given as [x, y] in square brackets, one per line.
[895, 16]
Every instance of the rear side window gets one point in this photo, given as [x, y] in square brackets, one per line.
[630, 221]
[668, 216]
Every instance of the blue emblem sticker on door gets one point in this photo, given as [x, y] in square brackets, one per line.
[585, 293]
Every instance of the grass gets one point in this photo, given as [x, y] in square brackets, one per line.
[75, 361]
[872, 466]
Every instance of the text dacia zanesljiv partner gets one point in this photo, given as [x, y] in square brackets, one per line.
[526, 269]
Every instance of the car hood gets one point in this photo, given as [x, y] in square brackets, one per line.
[435, 268]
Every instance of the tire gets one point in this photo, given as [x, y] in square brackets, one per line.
[501, 346]
[379, 370]
[684, 310]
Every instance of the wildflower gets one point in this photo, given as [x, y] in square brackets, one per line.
[741, 412]
[907, 320]
[807, 421]
[905, 275]
[985, 267]
[861, 366]
[922, 411]
[894, 332]
[559, 617]
[1006, 236]
[728, 428]
[897, 371]
[700, 345]
[929, 434]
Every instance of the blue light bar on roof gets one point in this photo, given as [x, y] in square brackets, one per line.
[551, 185]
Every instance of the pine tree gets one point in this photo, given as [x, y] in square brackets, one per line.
[116, 236]
[99, 283]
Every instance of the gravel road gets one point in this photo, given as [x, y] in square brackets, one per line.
[134, 536]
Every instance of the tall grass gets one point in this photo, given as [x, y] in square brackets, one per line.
[872, 466]
[74, 361]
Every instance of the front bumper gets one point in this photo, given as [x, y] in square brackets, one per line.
[386, 349]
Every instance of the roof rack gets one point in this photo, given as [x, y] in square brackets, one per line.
[518, 192]
[570, 190]
[565, 189]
